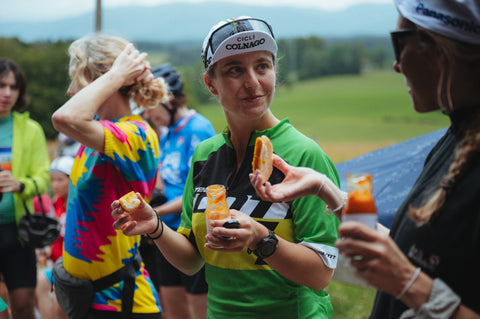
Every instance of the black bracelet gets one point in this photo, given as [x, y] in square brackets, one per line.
[158, 225]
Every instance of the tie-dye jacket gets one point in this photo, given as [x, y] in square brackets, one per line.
[93, 249]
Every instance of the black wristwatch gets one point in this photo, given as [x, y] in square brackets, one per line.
[267, 246]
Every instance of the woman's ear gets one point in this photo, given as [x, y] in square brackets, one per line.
[209, 85]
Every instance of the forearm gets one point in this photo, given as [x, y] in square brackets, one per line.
[76, 117]
[178, 250]
[464, 312]
[428, 298]
[84, 104]
[172, 207]
[300, 264]
[333, 196]
[418, 292]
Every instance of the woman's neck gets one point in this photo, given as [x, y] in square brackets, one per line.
[240, 132]
[181, 112]
[114, 107]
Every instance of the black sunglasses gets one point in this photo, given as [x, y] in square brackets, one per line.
[234, 27]
[397, 40]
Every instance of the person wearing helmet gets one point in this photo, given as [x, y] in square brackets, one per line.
[181, 296]
[60, 170]
[24, 163]
[279, 261]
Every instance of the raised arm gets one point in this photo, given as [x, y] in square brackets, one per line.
[76, 117]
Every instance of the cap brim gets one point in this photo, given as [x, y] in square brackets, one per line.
[244, 42]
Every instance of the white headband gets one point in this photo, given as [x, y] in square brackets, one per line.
[253, 35]
[455, 19]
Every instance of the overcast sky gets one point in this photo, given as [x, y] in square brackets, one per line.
[38, 10]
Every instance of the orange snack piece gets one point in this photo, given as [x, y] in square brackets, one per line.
[263, 157]
[129, 202]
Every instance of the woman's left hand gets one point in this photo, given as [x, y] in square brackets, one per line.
[375, 256]
[235, 239]
[8, 183]
[132, 65]
[144, 220]
[298, 182]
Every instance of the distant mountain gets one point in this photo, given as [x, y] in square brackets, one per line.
[189, 21]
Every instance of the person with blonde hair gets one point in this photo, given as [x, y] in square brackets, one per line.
[119, 153]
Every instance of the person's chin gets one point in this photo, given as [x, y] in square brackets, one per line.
[423, 108]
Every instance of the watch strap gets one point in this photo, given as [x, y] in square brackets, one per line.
[270, 242]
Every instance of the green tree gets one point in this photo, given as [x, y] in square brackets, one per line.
[345, 59]
[46, 67]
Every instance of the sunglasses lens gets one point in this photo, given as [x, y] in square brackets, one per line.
[398, 41]
[396, 48]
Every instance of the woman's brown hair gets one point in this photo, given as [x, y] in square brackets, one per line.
[7, 65]
[466, 57]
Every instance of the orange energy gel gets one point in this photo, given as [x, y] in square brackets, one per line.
[217, 207]
[360, 200]
[218, 203]
[218, 213]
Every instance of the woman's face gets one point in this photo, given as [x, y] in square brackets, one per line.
[75, 80]
[157, 117]
[59, 182]
[420, 65]
[9, 93]
[73, 88]
[244, 84]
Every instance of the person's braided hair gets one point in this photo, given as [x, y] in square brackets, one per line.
[467, 152]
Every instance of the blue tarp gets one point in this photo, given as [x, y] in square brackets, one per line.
[394, 170]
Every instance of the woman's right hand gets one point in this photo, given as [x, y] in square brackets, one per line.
[375, 256]
[141, 221]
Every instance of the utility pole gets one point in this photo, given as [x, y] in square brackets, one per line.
[98, 17]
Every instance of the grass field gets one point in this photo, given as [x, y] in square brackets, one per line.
[348, 116]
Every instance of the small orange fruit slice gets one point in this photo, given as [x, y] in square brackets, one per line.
[263, 157]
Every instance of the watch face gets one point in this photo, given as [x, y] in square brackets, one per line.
[267, 246]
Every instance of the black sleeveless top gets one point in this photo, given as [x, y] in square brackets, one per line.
[448, 247]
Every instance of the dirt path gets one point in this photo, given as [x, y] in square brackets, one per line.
[345, 151]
